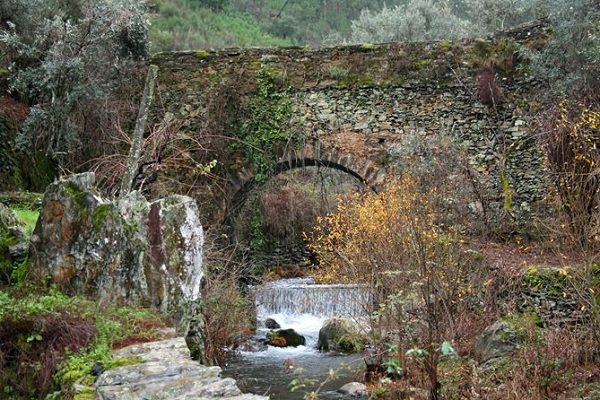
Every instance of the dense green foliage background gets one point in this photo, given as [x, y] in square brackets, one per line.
[194, 24]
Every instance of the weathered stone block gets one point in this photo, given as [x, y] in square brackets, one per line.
[127, 251]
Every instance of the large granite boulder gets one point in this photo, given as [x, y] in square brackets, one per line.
[14, 243]
[340, 334]
[126, 251]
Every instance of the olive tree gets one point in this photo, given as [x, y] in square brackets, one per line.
[415, 20]
[63, 54]
[570, 62]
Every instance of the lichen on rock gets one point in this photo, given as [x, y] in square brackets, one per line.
[127, 251]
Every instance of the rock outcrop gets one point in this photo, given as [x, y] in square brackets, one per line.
[127, 251]
[166, 372]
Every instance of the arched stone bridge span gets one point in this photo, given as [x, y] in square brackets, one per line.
[358, 109]
[363, 170]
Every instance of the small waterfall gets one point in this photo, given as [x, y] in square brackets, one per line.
[303, 306]
[303, 296]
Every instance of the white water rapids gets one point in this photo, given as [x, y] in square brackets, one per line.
[302, 305]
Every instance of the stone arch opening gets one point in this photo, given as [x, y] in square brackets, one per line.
[282, 238]
[240, 195]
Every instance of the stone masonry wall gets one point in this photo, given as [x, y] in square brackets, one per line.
[365, 102]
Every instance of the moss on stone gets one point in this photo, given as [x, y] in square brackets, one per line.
[444, 46]
[351, 343]
[273, 72]
[552, 281]
[124, 361]
[500, 54]
[422, 64]
[100, 214]
[365, 80]
[77, 195]
[338, 73]
[87, 393]
[520, 324]
[255, 65]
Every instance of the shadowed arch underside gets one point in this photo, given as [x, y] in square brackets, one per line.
[308, 156]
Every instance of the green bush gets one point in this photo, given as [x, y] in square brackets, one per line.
[66, 55]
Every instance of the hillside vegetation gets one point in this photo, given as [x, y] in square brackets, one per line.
[200, 24]
[71, 75]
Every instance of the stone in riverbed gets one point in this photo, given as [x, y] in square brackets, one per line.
[286, 338]
[270, 323]
[340, 334]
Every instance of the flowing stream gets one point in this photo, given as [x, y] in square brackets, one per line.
[304, 306]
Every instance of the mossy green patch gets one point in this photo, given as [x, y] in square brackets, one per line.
[338, 73]
[101, 214]
[268, 128]
[112, 324]
[28, 218]
[500, 55]
[351, 343]
[4, 72]
[365, 80]
[216, 77]
[124, 361]
[201, 54]
[87, 393]
[422, 64]
[22, 200]
[76, 194]
[274, 73]
[549, 280]
[521, 324]
[444, 46]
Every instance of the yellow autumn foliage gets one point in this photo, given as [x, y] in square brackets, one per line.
[378, 237]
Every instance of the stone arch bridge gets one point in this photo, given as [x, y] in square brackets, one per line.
[357, 109]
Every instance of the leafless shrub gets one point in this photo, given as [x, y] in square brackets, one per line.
[570, 133]
[228, 313]
[488, 91]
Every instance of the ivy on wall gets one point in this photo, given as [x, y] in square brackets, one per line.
[267, 127]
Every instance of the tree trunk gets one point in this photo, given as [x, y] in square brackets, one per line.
[138, 134]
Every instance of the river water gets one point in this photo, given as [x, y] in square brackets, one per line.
[303, 306]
